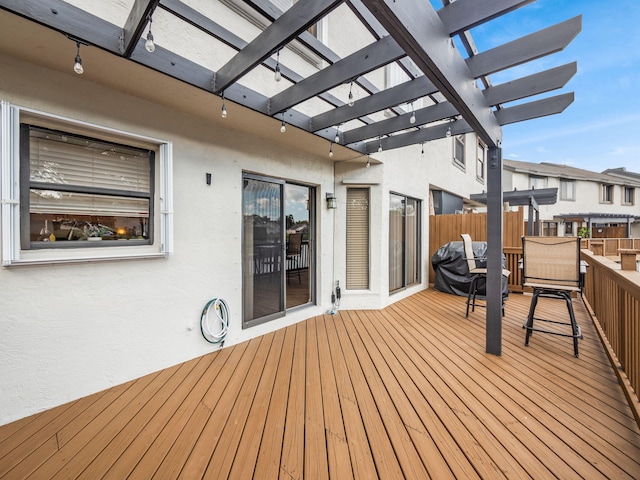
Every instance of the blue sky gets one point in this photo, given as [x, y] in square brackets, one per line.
[601, 128]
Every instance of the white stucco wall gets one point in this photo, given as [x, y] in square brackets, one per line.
[72, 329]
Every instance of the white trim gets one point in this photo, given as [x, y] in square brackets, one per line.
[9, 186]
[10, 194]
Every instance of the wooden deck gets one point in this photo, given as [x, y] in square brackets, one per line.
[406, 392]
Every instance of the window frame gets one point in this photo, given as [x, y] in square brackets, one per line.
[12, 186]
[563, 194]
[460, 162]
[628, 195]
[606, 193]
[538, 178]
[25, 199]
[481, 161]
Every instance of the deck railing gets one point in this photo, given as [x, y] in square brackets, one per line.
[611, 245]
[613, 295]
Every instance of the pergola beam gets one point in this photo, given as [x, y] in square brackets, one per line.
[535, 109]
[348, 69]
[525, 49]
[463, 15]
[284, 29]
[425, 115]
[419, 135]
[535, 84]
[391, 97]
[134, 26]
[419, 31]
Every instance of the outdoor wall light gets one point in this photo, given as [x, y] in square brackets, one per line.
[208, 178]
[332, 202]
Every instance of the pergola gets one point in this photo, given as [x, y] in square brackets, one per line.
[531, 198]
[453, 83]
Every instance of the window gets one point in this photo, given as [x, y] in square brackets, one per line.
[85, 192]
[550, 229]
[481, 161]
[537, 182]
[80, 189]
[357, 238]
[628, 195]
[567, 190]
[458, 150]
[606, 193]
[568, 228]
[404, 241]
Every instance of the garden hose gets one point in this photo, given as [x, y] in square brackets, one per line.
[222, 317]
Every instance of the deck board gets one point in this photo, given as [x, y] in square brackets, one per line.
[403, 392]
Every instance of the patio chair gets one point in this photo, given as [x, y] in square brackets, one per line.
[476, 274]
[551, 267]
[294, 247]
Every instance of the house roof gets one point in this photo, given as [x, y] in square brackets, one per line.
[547, 169]
[315, 102]
[622, 172]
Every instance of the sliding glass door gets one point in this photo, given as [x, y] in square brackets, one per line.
[277, 246]
[404, 241]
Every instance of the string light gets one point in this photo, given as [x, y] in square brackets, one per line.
[278, 74]
[77, 66]
[380, 144]
[224, 108]
[368, 165]
[448, 131]
[412, 120]
[422, 148]
[351, 102]
[337, 139]
[149, 45]
[283, 127]
[331, 150]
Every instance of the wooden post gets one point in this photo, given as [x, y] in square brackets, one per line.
[628, 258]
[494, 252]
[597, 248]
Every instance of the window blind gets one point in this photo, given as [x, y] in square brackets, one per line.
[68, 161]
[357, 238]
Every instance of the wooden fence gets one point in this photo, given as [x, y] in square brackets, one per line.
[611, 245]
[447, 228]
[613, 295]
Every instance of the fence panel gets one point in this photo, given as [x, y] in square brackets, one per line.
[447, 228]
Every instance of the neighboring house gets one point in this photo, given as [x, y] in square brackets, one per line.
[131, 197]
[602, 203]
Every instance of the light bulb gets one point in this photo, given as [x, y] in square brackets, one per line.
[412, 120]
[278, 74]
[422, 148]
[448, 131]
[368, 162]
[330, 152]
[380, 147]
[224, 111]
[77, 67]
[283, 128]
[337, 139]
[351, 102]
[149, 45]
